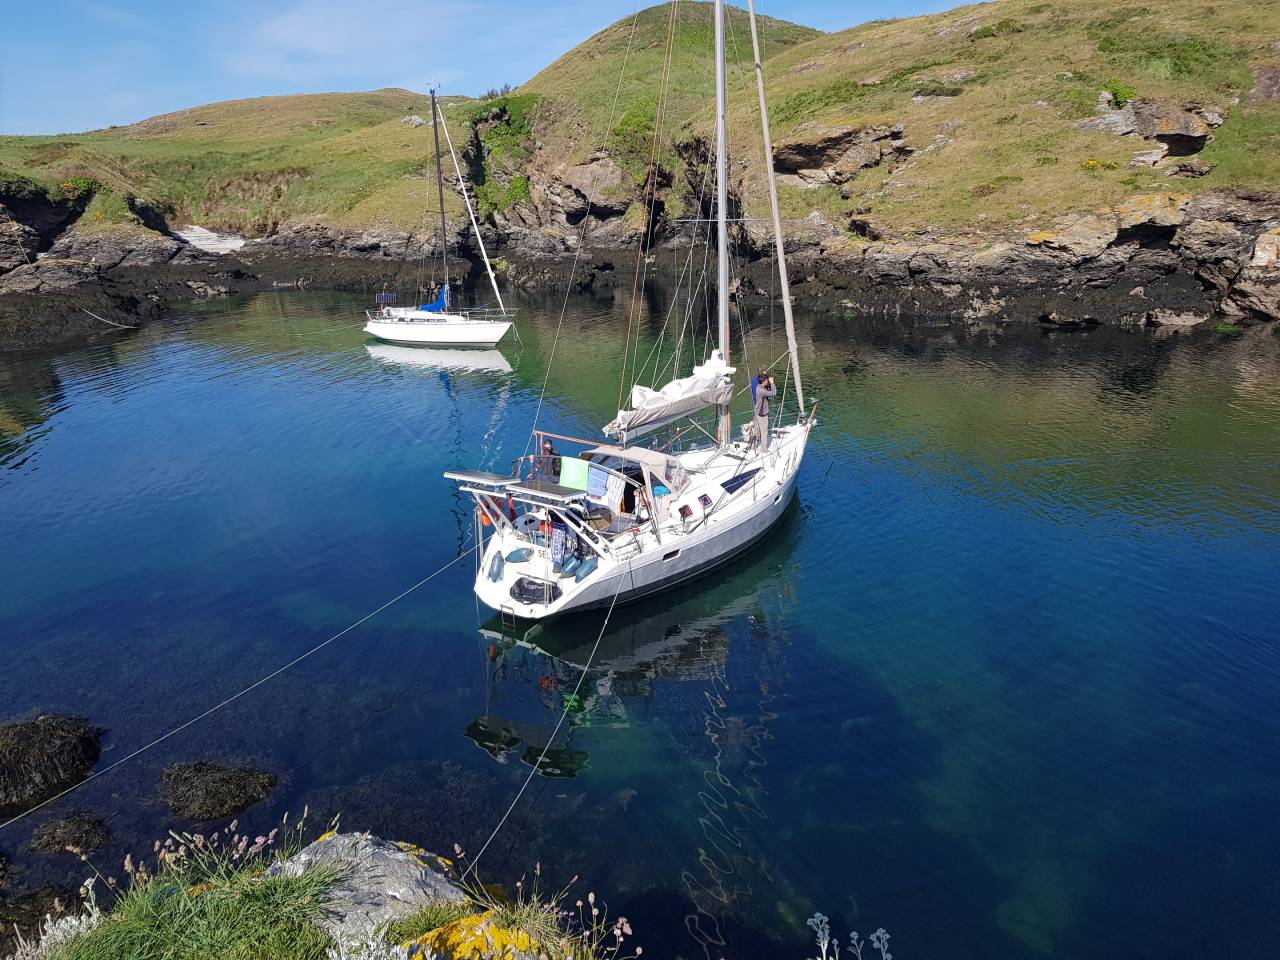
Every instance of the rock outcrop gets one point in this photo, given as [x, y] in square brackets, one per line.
[1179, 253]
[834, 155]
[1180, 129]
[381, 882]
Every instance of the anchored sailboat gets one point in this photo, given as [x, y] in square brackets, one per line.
[439, 323]
[619, 522]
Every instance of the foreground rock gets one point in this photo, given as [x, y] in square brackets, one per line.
[78, 833]
[42, 757]
[209, 791]
[381, 882]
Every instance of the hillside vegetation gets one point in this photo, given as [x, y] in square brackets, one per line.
[989, 96]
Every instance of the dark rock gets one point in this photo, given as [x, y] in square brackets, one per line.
[42, 757]
[133, 246]
[209, 791]
[19, 243]
[78, 833]
[1191, 168]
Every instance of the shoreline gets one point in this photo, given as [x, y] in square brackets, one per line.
[1163, 259]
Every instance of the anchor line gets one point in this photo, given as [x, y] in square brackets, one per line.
[236, 696]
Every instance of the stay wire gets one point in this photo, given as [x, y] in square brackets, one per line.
[234, 697]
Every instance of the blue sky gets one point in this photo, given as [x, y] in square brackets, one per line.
[70, 65]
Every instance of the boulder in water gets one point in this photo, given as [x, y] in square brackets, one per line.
[77, 833]
[209, 791]
[42, 757]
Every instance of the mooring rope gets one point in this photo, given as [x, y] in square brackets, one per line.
[122, 326]
[231, 699]
[559, 723]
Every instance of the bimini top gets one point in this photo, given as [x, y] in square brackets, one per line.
[710, 383]
[658, 468]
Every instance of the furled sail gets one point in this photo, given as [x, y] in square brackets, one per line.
[709, 384]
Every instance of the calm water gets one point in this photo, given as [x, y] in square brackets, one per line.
[1004, 682]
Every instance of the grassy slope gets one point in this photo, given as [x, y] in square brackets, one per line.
[1015, 156]
[345, 158]
[592, 100]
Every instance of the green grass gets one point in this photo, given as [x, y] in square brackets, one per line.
[206, 908]
[431, 917]
[1226, 329]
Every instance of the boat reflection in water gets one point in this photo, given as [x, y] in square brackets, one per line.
[438, 358]
[645, 644]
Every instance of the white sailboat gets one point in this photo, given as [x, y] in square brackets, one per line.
[439, 323]
[619, 522]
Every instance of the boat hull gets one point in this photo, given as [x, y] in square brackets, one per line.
[658, 567]
[439, 333]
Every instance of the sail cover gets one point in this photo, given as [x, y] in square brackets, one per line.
[440, 304]
[710, 383]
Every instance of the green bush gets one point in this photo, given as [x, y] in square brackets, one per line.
[78, 188]
[1121, 93]
[1226, 329]
[983, 33]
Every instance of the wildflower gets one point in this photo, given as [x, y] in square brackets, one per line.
[128, 864]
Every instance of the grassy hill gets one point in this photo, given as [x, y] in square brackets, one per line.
[1006, 82]
[1022, 72]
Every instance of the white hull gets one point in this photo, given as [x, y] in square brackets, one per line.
[682, 553]
[444, 330]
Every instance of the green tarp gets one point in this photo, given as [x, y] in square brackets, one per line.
[573, 473]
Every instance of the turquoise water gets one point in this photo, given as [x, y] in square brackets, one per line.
[1003, 682]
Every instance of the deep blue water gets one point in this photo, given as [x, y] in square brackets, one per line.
[1004, 682]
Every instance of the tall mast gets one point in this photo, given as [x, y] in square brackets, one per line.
[444, 230]
[779, 249]
[725, 432]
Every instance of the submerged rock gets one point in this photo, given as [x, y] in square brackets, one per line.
[209, 791]
[44, 756]
[381, 882]
[78, 833]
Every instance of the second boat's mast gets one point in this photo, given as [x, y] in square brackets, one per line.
[725, 431]
[444, 230]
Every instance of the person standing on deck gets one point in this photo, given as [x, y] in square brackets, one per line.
[547, 466]
[763, 391]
